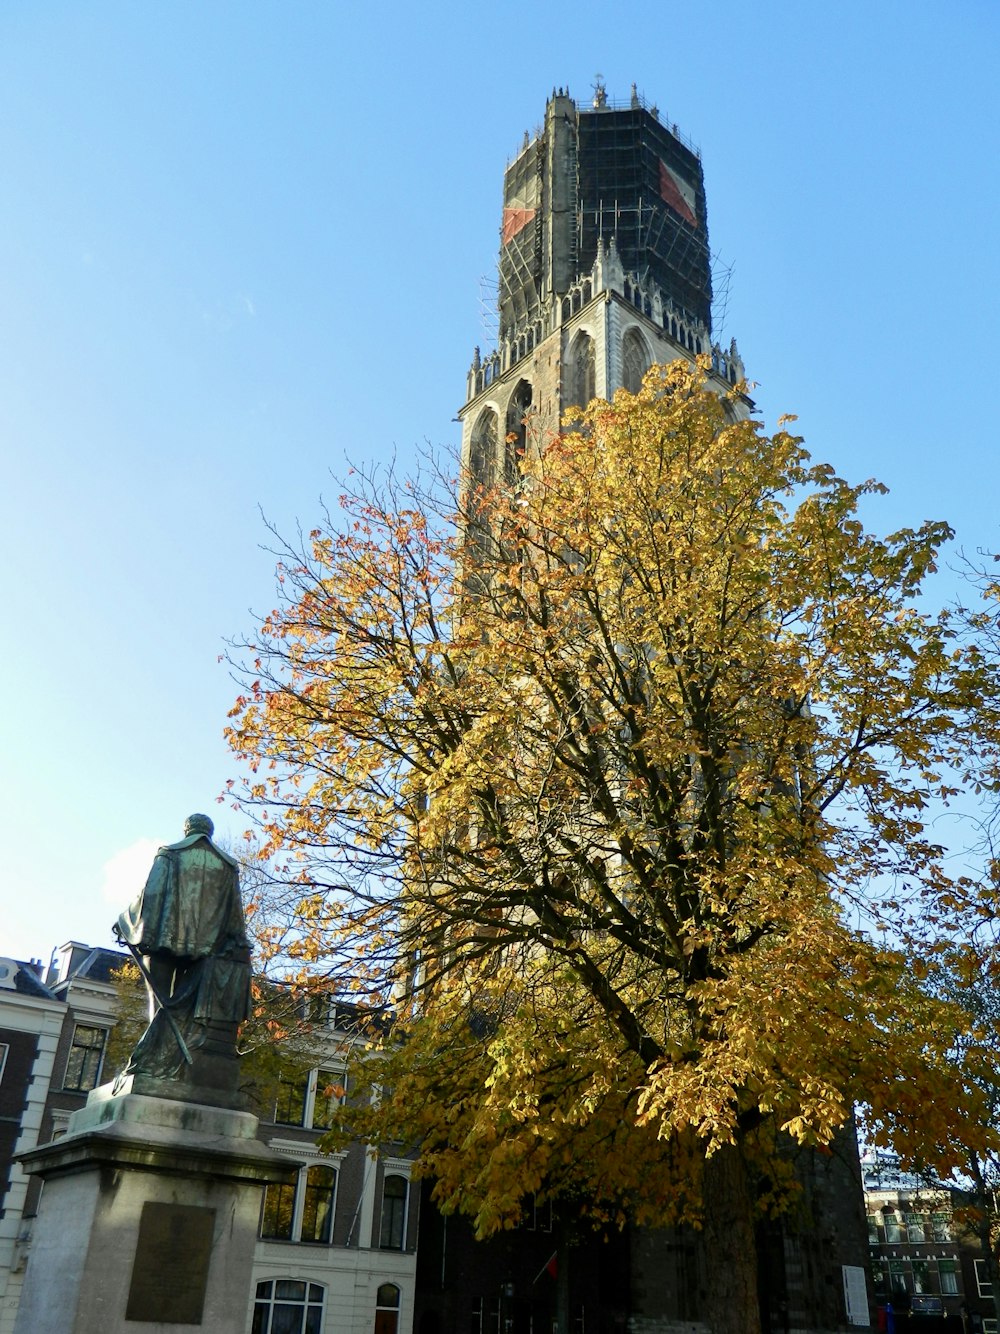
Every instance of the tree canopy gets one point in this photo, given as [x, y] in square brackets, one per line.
[615, 782]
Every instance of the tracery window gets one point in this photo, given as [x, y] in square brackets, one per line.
[483, 451]
[516, 434]
[635, 360]
[582, 370]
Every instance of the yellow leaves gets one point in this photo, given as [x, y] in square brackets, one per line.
[593, 775]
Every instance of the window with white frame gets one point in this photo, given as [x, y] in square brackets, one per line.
[327, 1091]
[941, 1227]
[893, 1227]
[873, 1229]
[309, 1099]
[288, 1306]
[989, 1324]
[983, 1282]
[395, 1195]
[387, 1309]
[948, 1273]
[319, 1197]
[301, 1210]
[86, 1056]
[537, 1216]
[476, 1317]
[914, 1227]
[290, 1100]
[4, 1049]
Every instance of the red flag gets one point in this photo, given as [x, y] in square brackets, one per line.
[676, 192]
[550, 1267]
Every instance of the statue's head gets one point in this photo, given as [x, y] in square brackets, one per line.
[198, 824]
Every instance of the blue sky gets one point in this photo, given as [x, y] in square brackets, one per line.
[243, 242]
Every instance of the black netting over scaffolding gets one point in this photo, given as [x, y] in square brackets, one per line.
[640, 184]
[521, 238]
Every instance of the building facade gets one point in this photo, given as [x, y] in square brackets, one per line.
[342, 1239]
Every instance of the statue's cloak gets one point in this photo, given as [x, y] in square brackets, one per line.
[190, 907]
[190, 912]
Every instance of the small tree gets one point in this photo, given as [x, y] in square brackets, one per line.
[615, 784]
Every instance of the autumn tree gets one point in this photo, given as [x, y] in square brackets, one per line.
[615, 784]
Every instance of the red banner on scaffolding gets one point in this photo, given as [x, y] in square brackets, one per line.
[515, 220]
[676, 192]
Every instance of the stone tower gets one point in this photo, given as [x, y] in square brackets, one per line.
[604, 269]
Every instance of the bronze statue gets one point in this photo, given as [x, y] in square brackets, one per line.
[187, 933]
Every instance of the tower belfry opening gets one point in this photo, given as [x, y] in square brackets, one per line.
[604, 266]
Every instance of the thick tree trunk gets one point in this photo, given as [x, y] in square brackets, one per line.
[730, 1249]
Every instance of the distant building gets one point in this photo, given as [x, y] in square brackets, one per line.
[925, 1263]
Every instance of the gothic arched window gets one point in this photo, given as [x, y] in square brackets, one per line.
[483, 453]
[582, 370]
[635, 361]
[516, 434]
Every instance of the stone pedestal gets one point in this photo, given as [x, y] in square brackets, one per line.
[148, 1219]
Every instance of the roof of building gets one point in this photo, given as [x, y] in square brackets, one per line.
[99, 964]
[28, 983]
[882, 1171]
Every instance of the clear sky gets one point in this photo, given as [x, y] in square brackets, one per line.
[243, 242]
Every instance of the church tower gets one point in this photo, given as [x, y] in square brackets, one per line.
[604, 269]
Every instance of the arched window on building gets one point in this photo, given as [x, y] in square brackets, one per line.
[317, 1204]
[582, 370]
[288, 1306]
[516, 434]
[392, 1233]
[483, 451]
[635, 360]
[387, 1309]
